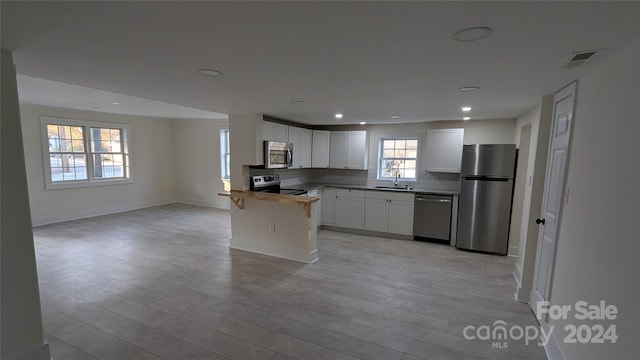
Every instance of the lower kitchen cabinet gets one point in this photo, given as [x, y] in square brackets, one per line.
[401, 217]
[328, 206]
[349, 208]
[389, 212]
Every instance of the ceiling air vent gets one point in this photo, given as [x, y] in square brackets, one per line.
[579, 58]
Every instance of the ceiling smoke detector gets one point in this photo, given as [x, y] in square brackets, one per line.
[579, 58]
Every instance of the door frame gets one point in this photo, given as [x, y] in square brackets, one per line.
[568, 90]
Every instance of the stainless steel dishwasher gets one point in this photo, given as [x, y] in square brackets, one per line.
[432, 216]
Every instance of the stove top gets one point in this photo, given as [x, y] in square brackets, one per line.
[271, 184]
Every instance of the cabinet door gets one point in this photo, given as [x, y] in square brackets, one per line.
[349, 212]
[337, 153]
[281, 132]
[328, 206]
[294, 137]
[357, 150]
[376, 216]
[303, 153]
[401, 217]
[444, 150]
[320, 151]
[268, 130]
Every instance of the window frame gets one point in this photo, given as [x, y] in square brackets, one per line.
[90, 181]
[381, 158]
[225, 149]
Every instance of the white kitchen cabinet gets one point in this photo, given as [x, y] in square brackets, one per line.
[275, 131]
[389, 212]
[401, 217]
[328, 206]
[444, 150]
[357, 150]
[320, 149]
[349, 208]
[301, 139]
[348, 150]
[376, 214]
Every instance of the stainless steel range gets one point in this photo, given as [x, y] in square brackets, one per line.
[271, 184]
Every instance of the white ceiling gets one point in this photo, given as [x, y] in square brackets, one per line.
[53, 93]
[396, 58]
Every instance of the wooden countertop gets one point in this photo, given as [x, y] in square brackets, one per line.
[238, 196]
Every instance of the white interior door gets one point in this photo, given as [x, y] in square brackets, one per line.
[553, 193]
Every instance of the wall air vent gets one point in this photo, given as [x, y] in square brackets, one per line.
[579, 58]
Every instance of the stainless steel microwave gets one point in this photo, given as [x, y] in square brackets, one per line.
[278, 154]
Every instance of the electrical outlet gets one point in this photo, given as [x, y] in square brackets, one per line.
[272, 227]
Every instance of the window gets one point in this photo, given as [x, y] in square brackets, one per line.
[84, 153]
[225, 155]
[398, 156]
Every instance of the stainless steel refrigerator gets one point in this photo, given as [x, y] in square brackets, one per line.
[486, 189]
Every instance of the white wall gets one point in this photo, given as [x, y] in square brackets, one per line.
[22, 334]
[598, 243]
[152, 162]
[197, 162]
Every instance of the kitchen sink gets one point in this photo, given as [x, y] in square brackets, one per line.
[392, 188]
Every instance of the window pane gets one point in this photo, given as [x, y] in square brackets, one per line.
[388, 144]
[68, 167]
[107, 166]
[77, 145]
[409, 174]
[398, 156]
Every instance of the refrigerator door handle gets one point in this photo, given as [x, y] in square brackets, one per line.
[485, 178]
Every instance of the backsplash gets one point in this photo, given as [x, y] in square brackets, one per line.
[426, 180]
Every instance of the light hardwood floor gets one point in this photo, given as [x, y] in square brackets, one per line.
[161, 283]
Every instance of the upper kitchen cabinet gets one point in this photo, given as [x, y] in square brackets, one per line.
[443, 150]
[275, 131]
[320, 152]
[348, 150]
[301, 139]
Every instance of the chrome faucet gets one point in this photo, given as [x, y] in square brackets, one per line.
[395, 183]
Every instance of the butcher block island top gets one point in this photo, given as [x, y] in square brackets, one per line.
[267, 223]
[303, 201]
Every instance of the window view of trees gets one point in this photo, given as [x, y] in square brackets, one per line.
[398, 157]
[78, 151]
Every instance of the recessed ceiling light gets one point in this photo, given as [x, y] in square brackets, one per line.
[209, 72]
[297, 102]
[466, 118]
[469, 88]
[115, 103]
[338, 116]
[363, 122]
[394, 117]
[472, 34]
[466, 108]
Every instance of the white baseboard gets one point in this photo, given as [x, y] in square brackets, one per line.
[218, 204]
[76, 215]
[39, 353]
[274, 250]
[552, 349]
[512, 251]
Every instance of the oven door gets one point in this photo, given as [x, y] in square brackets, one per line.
[278, 155]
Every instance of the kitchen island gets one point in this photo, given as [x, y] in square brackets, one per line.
[274, 224]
